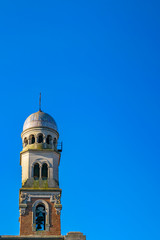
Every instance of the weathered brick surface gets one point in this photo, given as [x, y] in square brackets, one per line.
[26, 221]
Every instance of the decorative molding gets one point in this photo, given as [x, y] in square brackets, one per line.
[22, 211]
[27, 197]
[24, 197]
[22, 203]
[54, 197]
[41, 161]
[58, 208]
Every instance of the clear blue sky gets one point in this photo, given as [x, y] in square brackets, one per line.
[97, 64]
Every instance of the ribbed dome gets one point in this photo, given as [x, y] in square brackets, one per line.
[40, 119]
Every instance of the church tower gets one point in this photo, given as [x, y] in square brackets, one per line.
[40, 195]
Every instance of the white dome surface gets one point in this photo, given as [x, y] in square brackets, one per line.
[40, 119]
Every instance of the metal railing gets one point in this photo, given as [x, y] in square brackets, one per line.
[59, 146]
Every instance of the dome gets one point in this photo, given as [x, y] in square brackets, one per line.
[40, 119]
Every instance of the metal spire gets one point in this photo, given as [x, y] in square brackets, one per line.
[40, 102]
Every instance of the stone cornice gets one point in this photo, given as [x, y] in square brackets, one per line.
[41, 189]
[39, 128]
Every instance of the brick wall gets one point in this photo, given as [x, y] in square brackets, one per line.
[26, 220]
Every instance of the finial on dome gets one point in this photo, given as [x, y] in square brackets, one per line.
[40, 102]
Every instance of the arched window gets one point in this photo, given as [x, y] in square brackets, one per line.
[40, 210]
[25, 141]
[55, 142]
[36, 171]
[31, 139]
[49, 139]
[40, 138]
[44, 171]
[40, 217]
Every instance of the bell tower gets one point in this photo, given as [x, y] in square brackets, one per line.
[40, 195]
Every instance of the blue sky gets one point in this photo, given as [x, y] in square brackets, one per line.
[97, 65]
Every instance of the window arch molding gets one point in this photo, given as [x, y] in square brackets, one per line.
[36, 171]
[46, 161]
[45, 171]
[40, 137]
[40, 162]
[48, 167]
[46, 205]
[31, 139]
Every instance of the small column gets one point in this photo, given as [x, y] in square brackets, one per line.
[40, 171]
[44, 141]
[36, 139]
